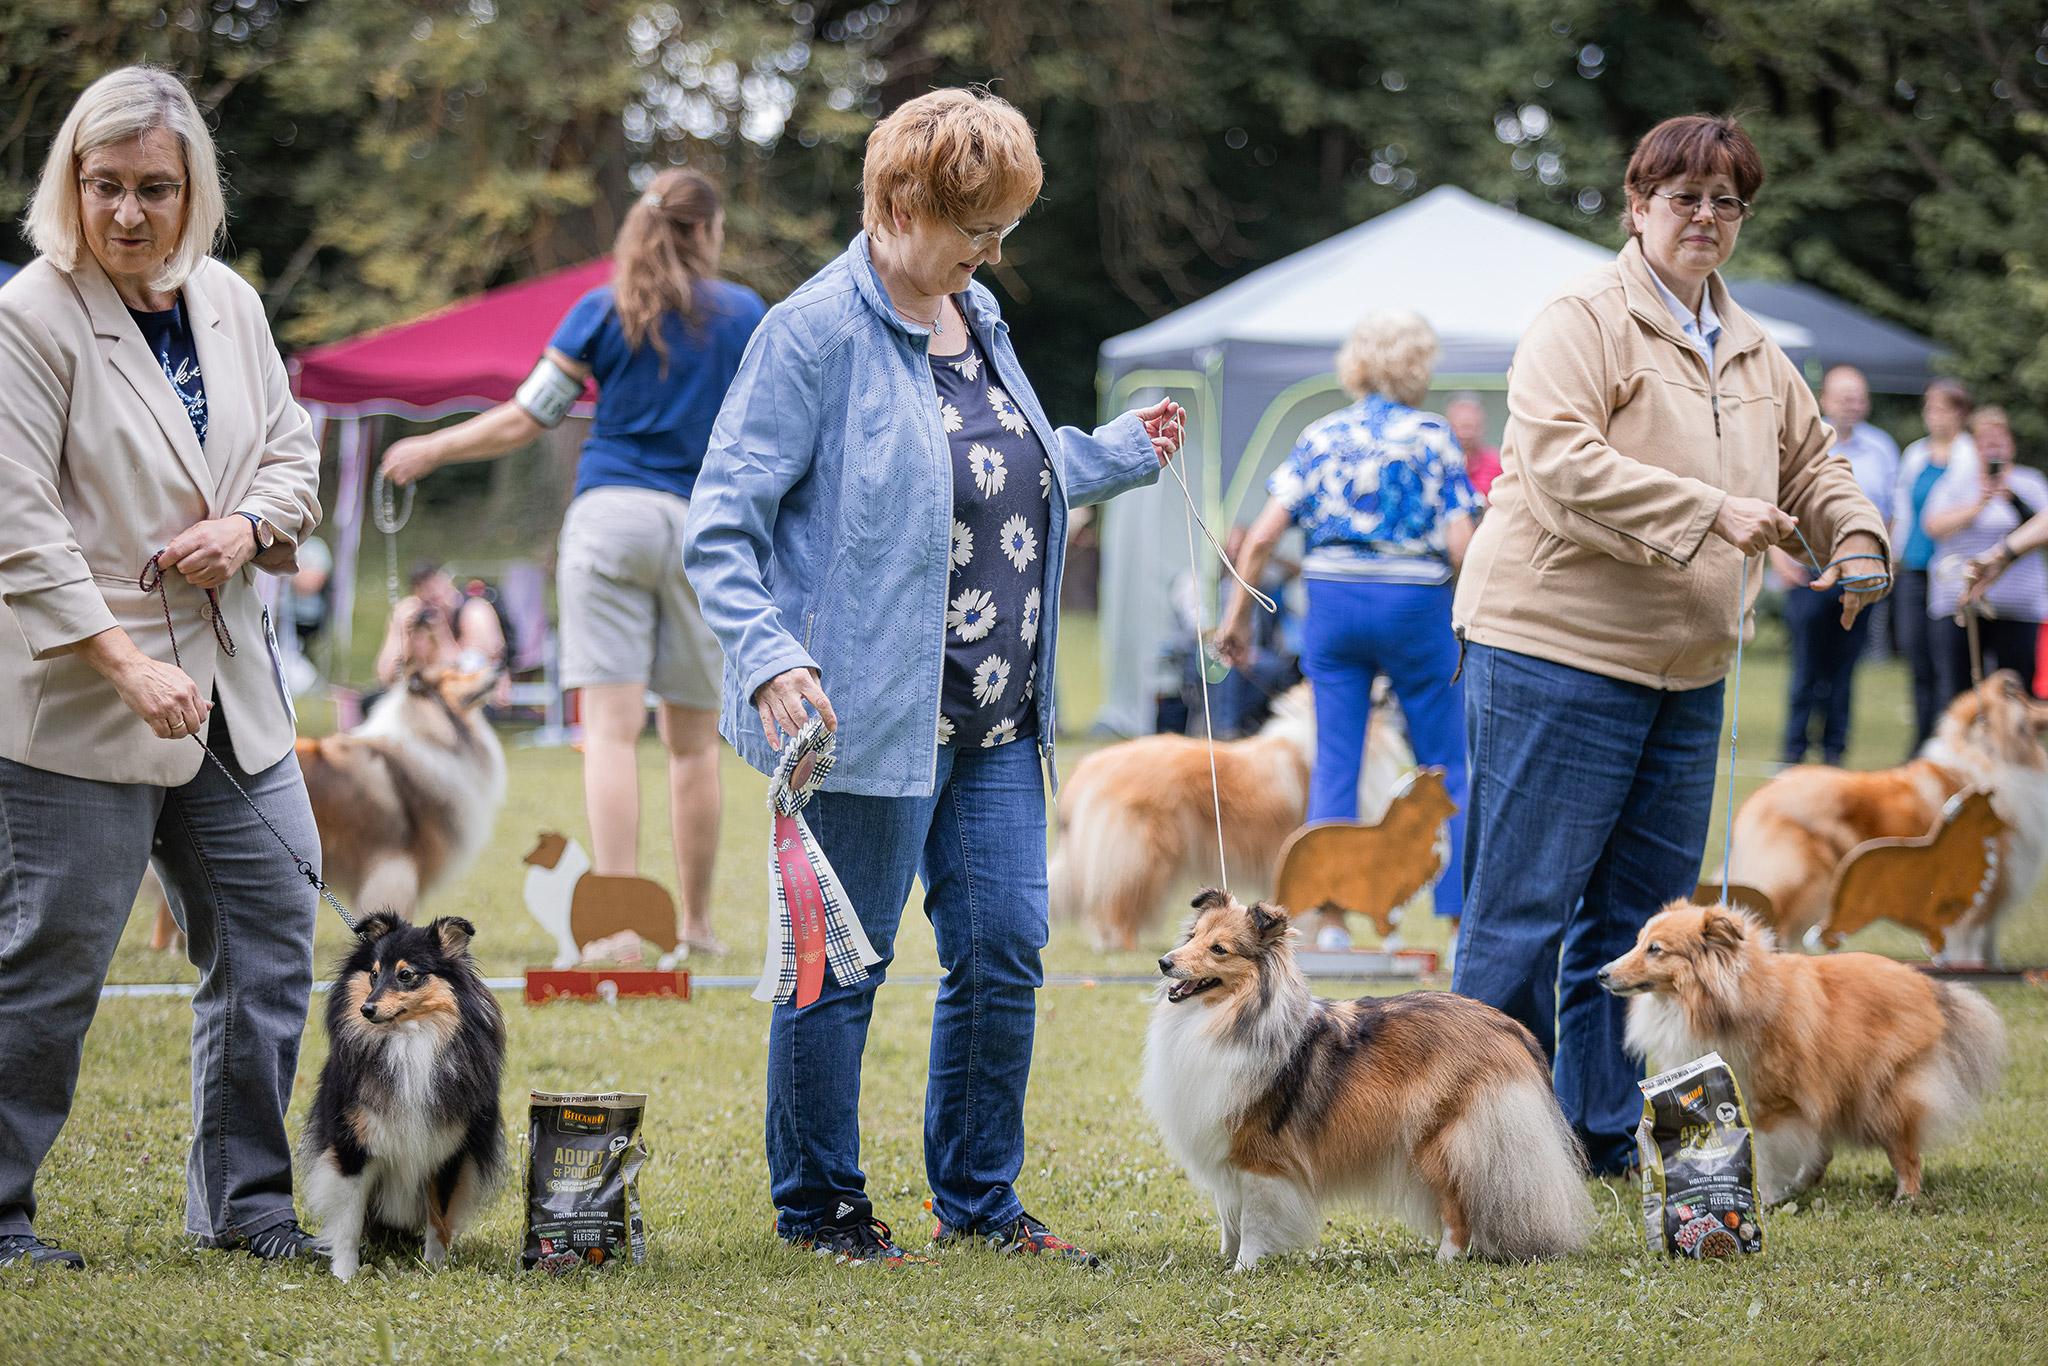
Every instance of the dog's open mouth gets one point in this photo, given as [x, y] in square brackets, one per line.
[1191, 986]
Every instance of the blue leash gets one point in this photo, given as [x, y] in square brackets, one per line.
[1854, 583]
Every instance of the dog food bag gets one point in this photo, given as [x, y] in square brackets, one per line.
[582, 1181]
[1698, 1159]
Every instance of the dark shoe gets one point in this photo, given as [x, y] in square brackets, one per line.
[283, 1242]
[26, 1247]
[859, 1239]
[1023, 1234]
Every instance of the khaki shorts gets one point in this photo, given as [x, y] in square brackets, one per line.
[628, 615]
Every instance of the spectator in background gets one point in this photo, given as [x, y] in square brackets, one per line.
[437, 625]
[1380, 492]
[1824, 656]
[309, 596]
[1970, 518]
[1946, 448]
[662, 341]
[1467, 416]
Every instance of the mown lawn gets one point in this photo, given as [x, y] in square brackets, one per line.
[1848, 1276]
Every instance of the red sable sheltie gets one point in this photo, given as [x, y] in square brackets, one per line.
[1852, 1048]
[1430, 1105]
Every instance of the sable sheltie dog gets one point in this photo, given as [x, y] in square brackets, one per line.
[1432, 1106]
[1137, 817]
[1851, 1048]
[404, 1140]
[1796, 829]
[405, 800]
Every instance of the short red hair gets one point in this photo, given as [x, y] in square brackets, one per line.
[1694, 145]
[951, 156]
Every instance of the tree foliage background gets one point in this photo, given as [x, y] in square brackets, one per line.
[387, 157]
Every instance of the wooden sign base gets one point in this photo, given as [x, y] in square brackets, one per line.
[604, 984]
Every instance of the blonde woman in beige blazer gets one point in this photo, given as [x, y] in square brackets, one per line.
[144, 413]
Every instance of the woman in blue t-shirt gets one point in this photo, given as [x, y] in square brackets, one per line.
[662, 342]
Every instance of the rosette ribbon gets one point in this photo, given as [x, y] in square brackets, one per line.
[811, 924]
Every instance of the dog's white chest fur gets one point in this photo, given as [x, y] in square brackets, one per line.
[1196, 1087]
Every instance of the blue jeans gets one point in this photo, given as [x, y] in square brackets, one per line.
[1354, 633]
[978, 844]
[1589, 812]
[1823, 672]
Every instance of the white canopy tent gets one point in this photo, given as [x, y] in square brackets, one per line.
[1253, 365]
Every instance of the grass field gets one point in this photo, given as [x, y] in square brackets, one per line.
[1849, 1276]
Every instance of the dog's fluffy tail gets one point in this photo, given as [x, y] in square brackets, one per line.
[1103, 871]
[1521, 1175]
[1969, 1062]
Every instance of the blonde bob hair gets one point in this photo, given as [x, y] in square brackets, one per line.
[118, 106]
[952, 156]
[1392, 353]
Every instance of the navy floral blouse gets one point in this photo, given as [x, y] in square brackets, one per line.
[1002, 492]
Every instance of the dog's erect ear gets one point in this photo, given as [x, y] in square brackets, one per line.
[454, 933]
[371, 928]
[1209, 898]
[1270, 923]
[1721, 930]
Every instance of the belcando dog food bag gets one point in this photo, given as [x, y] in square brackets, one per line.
[1698, 1161]
[582, 1181]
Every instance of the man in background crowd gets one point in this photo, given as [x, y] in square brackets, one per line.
[1824, 656]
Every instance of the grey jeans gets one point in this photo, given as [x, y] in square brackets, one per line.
[72, 852]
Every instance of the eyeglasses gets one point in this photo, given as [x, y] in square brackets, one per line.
[981, 241]
[1727, 208]
[107, 193]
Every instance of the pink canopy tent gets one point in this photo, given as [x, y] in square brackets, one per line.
[464, 358]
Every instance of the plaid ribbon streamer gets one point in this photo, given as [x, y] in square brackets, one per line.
[847, 950]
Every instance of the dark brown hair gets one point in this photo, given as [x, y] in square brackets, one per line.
[1698, 145]
[659, 255]
[1953, 392]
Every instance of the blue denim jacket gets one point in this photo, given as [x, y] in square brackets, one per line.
[820, 530]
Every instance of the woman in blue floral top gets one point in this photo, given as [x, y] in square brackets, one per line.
[1380, 493]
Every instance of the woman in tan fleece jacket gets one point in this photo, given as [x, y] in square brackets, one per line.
[1657, 443]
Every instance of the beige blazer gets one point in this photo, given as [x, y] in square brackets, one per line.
[99, 469]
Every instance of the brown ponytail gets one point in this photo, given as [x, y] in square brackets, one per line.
[659, 255]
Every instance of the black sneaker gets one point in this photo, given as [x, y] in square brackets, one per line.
[283, 1242]
[1024, 1235]
[26, 1247]
[858, 1239]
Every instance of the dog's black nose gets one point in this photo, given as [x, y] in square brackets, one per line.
[369, 1011]
[1604, 975]
[1166, 966]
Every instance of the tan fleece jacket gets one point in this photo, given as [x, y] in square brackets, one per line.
[1620, 449]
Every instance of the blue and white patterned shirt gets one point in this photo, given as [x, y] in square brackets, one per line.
[1002, 515]
[1371, 487]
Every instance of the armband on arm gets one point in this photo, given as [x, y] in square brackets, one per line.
[547, 393]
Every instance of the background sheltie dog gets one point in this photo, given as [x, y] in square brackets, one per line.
[1796, 829]
[405, 800]
[1136, 818]
[1432, 1106]
[1852, 1048]
[402, 802]
[405, 1138]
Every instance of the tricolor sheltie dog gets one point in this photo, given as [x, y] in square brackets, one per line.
[405, 1140]
[1851, 1048]
[1792, 834]
[1431, 1106]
